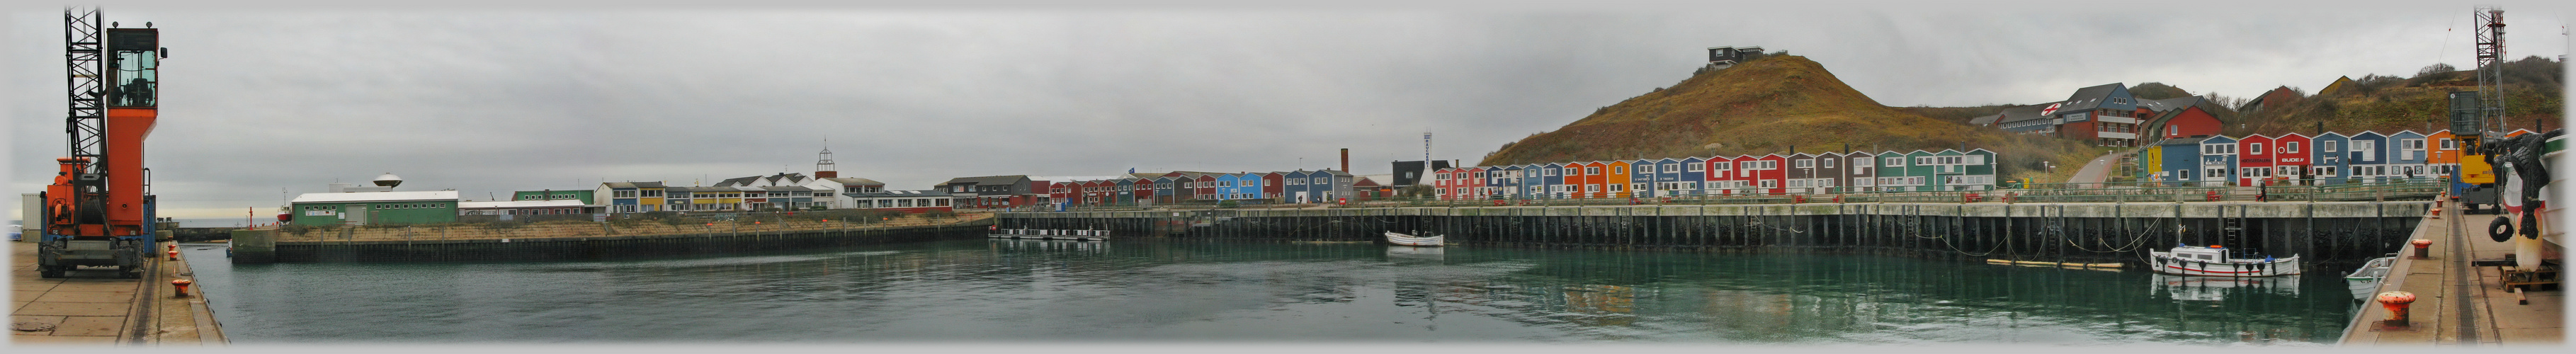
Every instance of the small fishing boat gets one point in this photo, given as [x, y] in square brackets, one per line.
[1410, 240]
[2365, 281]
[2213, 261]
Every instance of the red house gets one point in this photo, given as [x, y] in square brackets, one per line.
[1206, 185]
[2254, 160]
[2187, 122]
[1768, 175]
[1270, 184]
[2290, 156]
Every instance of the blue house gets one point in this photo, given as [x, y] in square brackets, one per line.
[1225, 186]
[2333, 158]
[2369, 156]
[1532, 180]
[2217, 161]
[2180, 164]
[2407, 156]
[1298, 186]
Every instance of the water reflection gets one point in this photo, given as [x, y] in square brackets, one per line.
[2192, 288]
[1127, 290]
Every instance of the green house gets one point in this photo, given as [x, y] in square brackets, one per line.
[363, 208]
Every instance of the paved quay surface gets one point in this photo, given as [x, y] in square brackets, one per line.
[90, 306]
[2494, 318]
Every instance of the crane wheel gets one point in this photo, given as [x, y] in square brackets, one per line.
[49, 271]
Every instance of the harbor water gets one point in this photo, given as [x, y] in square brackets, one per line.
[1180, 290]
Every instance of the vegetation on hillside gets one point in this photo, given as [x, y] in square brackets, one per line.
[2388, 103]
[2157, 91]
[1771, 105]
[1959, 115]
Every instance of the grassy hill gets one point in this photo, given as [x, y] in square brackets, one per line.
[2388, 104]
[1770, 104]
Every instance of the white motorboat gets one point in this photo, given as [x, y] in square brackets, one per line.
[2213, 261]
[2365, 281]
[1410, 240]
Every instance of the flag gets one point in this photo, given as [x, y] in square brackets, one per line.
[1131, 170]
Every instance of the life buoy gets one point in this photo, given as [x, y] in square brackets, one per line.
[2500, 230]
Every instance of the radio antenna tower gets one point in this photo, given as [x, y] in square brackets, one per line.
[2490, 39]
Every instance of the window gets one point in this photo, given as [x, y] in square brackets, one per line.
[2291, 147]
[1618, 169]
[1645, 168]
[1694, 168]
[2448, 144]
[1829, 163]
[1617, 187]
[1892, 161]
[2362, 149]
[1804, 163]
[1770, 183]
[2172, 130]
[1591, 170]
[2328, 146]
[1547, 172]
[1723, 165]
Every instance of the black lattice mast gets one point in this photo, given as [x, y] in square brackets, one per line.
[84, 51]
[2490, 21]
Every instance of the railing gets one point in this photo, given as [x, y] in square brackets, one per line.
[2107, 192]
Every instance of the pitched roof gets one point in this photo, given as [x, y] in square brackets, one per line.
[2170, 103]
[1985, 120]
[654, 184]
[373, 196]
[2182, 141]
[2023, 113]
[2089, 97]
[738, 181]
[987, 180]
[852, 180]
[558, 203]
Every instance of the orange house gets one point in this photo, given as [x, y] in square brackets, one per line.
[1616, 179]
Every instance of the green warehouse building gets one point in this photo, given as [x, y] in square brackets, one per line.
[363, 208]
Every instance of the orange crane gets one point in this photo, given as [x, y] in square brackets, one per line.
[100, 209]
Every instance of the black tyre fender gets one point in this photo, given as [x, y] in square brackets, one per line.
[2501, 229]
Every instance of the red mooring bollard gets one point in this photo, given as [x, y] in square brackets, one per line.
[2423, 248]
[174, 255]
[2396, 302]
[182, 284]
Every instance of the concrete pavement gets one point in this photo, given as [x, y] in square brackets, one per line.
[91, 306]
[2441, 282]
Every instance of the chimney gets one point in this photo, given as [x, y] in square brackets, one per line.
[1346, 160]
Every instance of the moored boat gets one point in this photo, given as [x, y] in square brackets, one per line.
[1410, 240]
[2213, 261]
[2365, 281]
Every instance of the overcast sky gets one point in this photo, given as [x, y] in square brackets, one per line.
[490, 99]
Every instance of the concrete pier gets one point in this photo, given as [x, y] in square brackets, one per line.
[2457, 303]
[2323, 232]
[92, 307]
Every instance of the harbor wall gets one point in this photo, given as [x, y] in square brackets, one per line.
[261, 246]
[2319, 232]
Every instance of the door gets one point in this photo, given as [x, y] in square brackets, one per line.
[353, 214]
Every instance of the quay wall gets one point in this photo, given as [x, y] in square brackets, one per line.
[2319, 232]
[261, 246]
